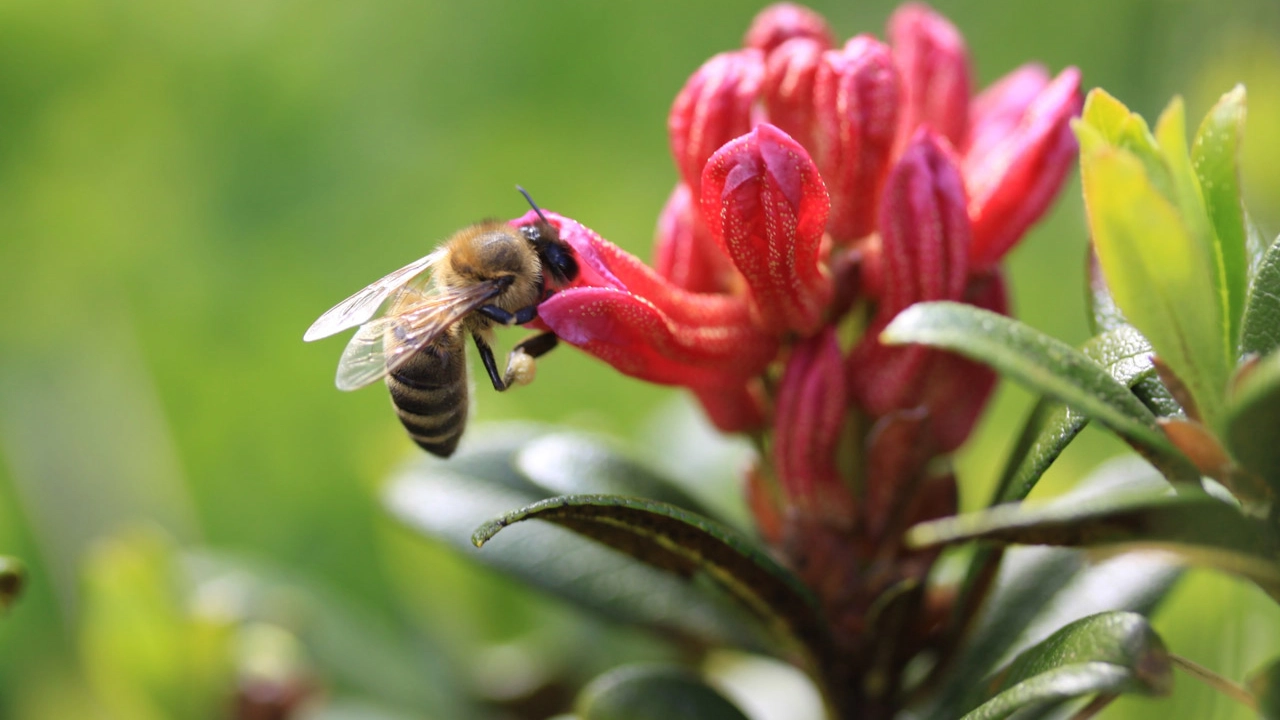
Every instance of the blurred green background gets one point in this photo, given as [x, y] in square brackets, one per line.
[185, 186]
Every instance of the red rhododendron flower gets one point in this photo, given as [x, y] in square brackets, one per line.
[826, 188]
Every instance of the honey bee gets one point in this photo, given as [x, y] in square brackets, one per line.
[414, 322]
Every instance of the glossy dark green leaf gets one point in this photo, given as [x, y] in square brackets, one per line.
[447, 501]
[1040, 362]
[1126, 356]
[1199, 528]
[1215, 155]
[1260, 330]
[13, 576]
[1039, 589]
[686, 545]
[1109, 653]
[653, 692]
[575, 463]
[1253, 421]
[1264, 684]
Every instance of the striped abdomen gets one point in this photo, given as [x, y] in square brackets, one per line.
[430, 394]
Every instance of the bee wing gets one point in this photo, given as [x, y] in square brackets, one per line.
[381, 346]
[364, 305]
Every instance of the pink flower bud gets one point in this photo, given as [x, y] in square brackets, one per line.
[781, 22]
[856, 99]
[924, 247]
[808, 426]
[685, 252]
[790, 76]
[957, 389]
[934, 62]
[1015, 178]
[734, 408]
[624, 313]
[765, 203]
[714, 107]
[898, 450]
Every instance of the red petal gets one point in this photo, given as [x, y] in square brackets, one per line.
[781, 22]
[633, 335]
[790, 77]
[713, 107]
[997, 110]
[1014, 180]
[934, 62]
[764, 201]
[856, 99]
[685, 252]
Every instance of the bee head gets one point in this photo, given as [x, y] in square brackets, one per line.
[555, 254]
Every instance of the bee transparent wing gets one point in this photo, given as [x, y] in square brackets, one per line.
[383, 345]
[364, 305]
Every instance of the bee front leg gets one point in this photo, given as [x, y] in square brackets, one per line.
[520, 365]
[490, 364]
[506, 317]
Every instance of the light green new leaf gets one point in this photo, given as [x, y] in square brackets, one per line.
[1215, 155]
[653, 692]
[1158, 261]
[1109, 653]
[1042, 363]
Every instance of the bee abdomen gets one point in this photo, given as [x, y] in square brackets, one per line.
[430, 395]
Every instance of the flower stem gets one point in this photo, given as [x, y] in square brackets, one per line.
[1216, 681]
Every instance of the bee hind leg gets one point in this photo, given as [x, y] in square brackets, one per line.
[520, 362]
[490, 364]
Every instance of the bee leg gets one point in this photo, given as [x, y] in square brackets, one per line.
[520, 365]
[506, 317]
[490, 365]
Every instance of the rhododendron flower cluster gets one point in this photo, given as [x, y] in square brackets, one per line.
[823, 189]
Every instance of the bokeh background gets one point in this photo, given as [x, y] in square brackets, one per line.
[186, 185]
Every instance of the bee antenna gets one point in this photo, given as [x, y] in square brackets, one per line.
[532, 204]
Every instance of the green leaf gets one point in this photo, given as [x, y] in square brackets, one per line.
[575, 463]
[1215, 154]
[13, 576]
[1040, 589]
[1161, 271]
[1109, 653]
[1253, 417]
[1260, 329]
[1199, 528]
[680, 542]
[1126, 356]
[1104, 314]
[653, 692]
[449, 500]
[1264, 684]
[1042, 363]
